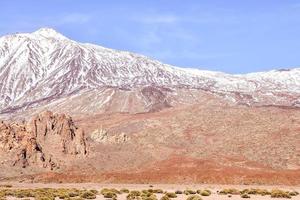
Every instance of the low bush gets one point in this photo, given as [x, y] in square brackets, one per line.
[88, 195]
[135, 193]
[78, 198]
[194, 197]
[231, 191]
[205, 193]
[149, 196]
[294, 193]
[164, 198]
[94, 191]
[110, 195]
[124, 190]
[171, 195]
[188, 192]
[245, 196]
[280, 194]
[158, 191]
[6, 186]
[113, 190]
[44, 198]
[262, 192]
[73, 194]
[146, 194]
[178, 192]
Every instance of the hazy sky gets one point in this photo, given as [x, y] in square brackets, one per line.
[232, 36]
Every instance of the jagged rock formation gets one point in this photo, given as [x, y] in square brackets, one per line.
[44, 141]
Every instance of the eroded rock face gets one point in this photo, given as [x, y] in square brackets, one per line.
[43, 141]
[102, 136]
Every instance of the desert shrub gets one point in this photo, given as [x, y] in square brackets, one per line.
[263, 192]
[21, 194]
[2, 193]
[164, 198]
[231, 191]
[43, 195]
[293, 193]
[245, 196]
[88, 195]
[194, 197]
[44, 198]
[63, 196]
[188, 192]
[94, 191]
[178, 192]
[8, 192]
[73, 194]
[132, 197]
[146, 194]
[280, 194]
[171, 195]
[253, 191]
[110, 195]
[6, 186]
[205, 193]
[157, 191]
[135, 193]
[113, 190]
[78, 198]
[244, 191]
[149, 196]
[124, 190]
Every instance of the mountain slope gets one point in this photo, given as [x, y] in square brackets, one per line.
[218, 128]
[45, 67]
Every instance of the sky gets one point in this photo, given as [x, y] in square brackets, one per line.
[233, 36]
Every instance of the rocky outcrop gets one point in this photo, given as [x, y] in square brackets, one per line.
[43, 141]
[102, 136]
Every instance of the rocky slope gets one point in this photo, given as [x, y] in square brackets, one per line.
[202, 143]
[45, 69]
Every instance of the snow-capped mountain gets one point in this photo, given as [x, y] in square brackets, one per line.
[46, 68]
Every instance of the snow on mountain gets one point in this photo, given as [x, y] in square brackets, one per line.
[45, 66]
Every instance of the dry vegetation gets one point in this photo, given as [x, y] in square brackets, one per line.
[277, 193]
[6, 192]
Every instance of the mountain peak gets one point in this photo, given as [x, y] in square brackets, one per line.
[35, 70]
[49, 33]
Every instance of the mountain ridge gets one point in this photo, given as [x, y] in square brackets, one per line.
[45, 66]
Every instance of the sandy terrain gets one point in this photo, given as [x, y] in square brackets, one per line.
[165, 187]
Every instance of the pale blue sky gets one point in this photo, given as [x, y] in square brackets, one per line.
[235, 36]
